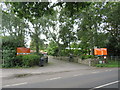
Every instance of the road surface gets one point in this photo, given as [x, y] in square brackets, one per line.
[76, 77]
[101, 78]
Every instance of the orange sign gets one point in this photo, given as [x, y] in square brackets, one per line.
[23, 51]
[100, 51]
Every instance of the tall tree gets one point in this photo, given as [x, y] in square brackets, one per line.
[112, 26]
[32, 11]
[15, 27]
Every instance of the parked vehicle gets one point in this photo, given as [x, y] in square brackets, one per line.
[46, 57]
[43, 59]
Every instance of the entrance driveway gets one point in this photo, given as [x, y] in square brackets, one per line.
[53, 66]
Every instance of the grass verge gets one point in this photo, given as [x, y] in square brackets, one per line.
[109, 64]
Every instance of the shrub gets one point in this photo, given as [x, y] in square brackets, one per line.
[8, 55]
[30, 60]
[86, 56]
[18, 60]
[22, 61]
[9, 45]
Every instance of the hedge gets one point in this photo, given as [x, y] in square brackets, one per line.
[30, 60]
[8, 56]
[27, 60]
[86, 56]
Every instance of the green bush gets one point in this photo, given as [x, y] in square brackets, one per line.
[9, 45]
[8, 55]
[64, 53]
[86, 56]
[18, 61]
[30, 60]
[22, 61]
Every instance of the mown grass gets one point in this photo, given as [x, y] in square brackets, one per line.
[110, 63]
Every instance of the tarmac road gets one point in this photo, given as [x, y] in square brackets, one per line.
[61, 74]
[105, 78]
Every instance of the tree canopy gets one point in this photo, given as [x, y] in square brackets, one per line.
[88, 24]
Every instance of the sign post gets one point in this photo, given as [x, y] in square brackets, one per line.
[102, 52]
[23, 51]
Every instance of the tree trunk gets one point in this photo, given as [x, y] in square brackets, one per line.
[36, 39]
[37, 47]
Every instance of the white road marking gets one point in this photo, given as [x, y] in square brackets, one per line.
[106, 84]
[78, 74]
[96, 72]
[15, 84]
[54, 78]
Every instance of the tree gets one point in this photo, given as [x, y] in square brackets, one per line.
[41, 44]
[52, 48]
[9, 45]
[100, 22]
[68, 16]
[112, 14]
[32, 11]
[93, 24]
[15, 27]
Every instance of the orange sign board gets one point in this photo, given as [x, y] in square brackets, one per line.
[100, 51]
[23, 51]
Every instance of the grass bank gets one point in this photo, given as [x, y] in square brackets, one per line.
[110, 63]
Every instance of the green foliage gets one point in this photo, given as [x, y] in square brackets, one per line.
[30, 60]
[93, 24]
[64, 52]
[33, 12]
[113, 46]
[8, 56]
[14, 27]
[40, 44]
[18, 61]
[110, 63]
[86, 56]
[9, 42]
[26, 60]
[8, 51]
[9, 45]
[10, 59]
[52, 48]
[77, 52]
[29, 10]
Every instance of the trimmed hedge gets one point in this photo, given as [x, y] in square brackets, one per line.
[86, 56]
[30, 60]
[27, 60]
[9, 45]
[8, 56]
[18, 61]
